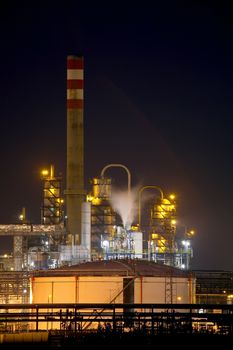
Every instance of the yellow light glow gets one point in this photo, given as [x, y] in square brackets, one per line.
[44, 172]
[96, 201]
[172, 197]
[173, 222]
[89, 198]
[179, 298]
[191, 233]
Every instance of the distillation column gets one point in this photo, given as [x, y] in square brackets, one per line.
[75, 194]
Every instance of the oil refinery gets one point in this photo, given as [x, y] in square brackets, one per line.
[102, 257]
[81, 226]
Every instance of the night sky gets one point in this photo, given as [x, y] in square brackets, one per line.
[158, 99]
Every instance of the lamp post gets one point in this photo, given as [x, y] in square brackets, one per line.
[187, 247]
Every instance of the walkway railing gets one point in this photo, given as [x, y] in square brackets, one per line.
[150, 318]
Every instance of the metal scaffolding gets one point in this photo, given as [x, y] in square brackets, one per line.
[14, 282]
[52, 207]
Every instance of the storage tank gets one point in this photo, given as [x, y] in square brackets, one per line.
[114, 281]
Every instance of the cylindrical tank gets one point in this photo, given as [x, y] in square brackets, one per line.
[86, 225]
[150, 283]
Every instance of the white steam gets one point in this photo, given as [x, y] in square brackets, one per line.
[125, 204]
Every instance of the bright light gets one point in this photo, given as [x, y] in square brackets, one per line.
[96, 201]
[190, 233]
[44, 172]
[185, 243]
[89, 198]
[105, 244]
[172, 197]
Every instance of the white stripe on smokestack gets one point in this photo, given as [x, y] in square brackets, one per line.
[73, 74]
[73, 94]
[75, 194]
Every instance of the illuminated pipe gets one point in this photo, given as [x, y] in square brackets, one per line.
[51, 171]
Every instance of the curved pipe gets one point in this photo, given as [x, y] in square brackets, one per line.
[121, 166]
[139, 200]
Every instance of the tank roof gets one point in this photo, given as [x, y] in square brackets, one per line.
[120, 267]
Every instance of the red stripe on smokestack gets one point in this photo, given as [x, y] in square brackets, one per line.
[74, 63]
[72, 104]
[75, 84]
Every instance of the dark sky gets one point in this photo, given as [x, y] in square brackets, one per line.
[158, 99]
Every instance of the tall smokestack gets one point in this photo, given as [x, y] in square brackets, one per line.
[75, 193]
